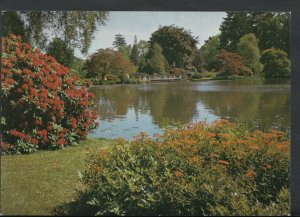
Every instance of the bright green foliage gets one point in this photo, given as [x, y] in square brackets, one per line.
[61, 52]
[177, 43]
[209, 52]
[218, 169]
[248, 49]
[77, 28]
[276, 63]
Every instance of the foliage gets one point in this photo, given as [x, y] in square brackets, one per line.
[218, 169]
[198, 61]
[134, 55]
[272, 29]
[11, 22]
[209, 52]
[156, 62]
[232, 63]
[77, 28]
[77, 67]
[42, 106]
[177, 43]
[248, 49]
[276, 63]
[233, 27]
[61, 52]
[119, 41]
[108, 61]
[199, 75]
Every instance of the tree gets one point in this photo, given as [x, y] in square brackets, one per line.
[231, 63]
[76, 28]
[107, 61]
[209, 52]
[134, 56]
[119, 41]
[61, 51]
[276, 63]
[233, 27]
[248, 49]
[156, 62]
[198, 61]
[12, 24]
[78, 67]
[177, 43]
[273, 30]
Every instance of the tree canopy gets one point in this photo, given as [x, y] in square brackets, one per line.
[276, 63]
[108, 61]
[76, 28]
[248, 49]
[272, 29]
[209, 51]
[61, 51]
[177, 43]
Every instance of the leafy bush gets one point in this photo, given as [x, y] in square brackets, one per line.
[276, 63]
[231, 63]
[42, 105]
[199, 75]
[218, 169]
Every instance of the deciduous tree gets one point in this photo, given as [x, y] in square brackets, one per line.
[76, 28]
[248, 49]
[177, 43]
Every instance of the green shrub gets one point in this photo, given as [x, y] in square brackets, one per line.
[276, 63]
[218, 169]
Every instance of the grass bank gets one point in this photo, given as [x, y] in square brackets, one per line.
[37, 183]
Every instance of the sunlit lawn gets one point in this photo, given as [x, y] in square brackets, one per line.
[37, 183]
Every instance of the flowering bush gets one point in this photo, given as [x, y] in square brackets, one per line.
[218, 169]
[42, 105]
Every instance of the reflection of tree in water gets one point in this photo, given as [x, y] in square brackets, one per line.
[267, 108]
[115, 100]
[170, 101]
[178, 101]
[163, 101]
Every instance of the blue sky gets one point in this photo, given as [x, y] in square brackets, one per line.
[142, 24]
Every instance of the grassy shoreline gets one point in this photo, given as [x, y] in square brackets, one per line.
[37, 183]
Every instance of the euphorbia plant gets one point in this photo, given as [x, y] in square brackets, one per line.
[43, 107]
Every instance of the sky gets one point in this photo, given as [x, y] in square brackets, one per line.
[143, 24]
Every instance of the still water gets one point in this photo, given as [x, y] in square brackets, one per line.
[126, 110]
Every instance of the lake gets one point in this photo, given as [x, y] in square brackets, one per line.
[125, 110]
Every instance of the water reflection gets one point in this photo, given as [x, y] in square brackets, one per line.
[125, 110]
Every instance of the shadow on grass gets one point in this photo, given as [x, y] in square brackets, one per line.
[74, 208]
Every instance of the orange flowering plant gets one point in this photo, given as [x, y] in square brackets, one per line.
[43, 107]
[220, 169]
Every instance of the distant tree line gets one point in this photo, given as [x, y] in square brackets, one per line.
[249, 44]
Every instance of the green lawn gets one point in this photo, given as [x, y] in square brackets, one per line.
[37, 183]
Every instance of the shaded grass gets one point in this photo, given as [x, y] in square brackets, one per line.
[37, 183]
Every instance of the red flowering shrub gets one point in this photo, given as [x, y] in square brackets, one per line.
[43, 107]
